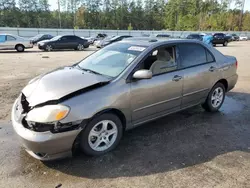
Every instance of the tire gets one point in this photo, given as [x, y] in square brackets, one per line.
[225, 43]
[20, 48]
[80, 47]
[94, 138]
[209, 105]
[48, 48]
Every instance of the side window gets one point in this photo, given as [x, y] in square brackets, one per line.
[192, 55]
[210, 57]
[10, 38]
[2, 38]
[73, 38]
[161, 60]
[65, 38]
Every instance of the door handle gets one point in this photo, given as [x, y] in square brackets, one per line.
[177, 78]
[212, 69]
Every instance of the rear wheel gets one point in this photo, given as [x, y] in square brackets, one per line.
[225, 43]
[20, 48]
[215, 98]
[101, 135]
[80, 47]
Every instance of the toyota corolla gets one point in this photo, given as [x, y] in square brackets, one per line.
[90, 104]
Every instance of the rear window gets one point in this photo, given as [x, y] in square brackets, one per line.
[10, 38]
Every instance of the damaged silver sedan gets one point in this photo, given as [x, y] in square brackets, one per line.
[90, 104]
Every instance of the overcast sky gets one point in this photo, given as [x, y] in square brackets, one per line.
[53, 4]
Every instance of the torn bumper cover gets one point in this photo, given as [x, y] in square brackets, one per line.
[43, 145]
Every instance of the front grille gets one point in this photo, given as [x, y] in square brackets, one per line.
[25, 104]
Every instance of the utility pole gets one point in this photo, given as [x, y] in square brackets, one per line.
[241, 14]
[59, 14]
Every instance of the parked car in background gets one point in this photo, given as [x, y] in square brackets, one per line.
[221, 38]
[106, 42]
[91, 40]
[161, 35]
[13, 42]
[64, 42]
[243, 37]
[145, 35]
[121, 86]
[235, 37]
[195, 36]
[40, 37]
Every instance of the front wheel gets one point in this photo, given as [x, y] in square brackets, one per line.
[225, 43]
[101, 135]
[48, 48]
[215, 98]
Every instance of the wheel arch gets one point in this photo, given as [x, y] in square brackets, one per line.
[115, 111]
[19, 44]
[224, 82]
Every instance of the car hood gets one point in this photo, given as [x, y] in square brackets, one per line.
[60, 83]
[44, 41]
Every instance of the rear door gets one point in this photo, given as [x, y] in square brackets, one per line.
[199, 70]
[63, 43]
[74, 40]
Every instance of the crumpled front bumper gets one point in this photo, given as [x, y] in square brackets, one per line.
[44, 145]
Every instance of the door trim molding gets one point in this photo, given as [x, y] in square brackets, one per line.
[163, 115]
[198, 91]
[155, 104]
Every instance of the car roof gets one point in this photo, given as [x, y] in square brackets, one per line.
[195, 34]
[156, 42]
[8, 34]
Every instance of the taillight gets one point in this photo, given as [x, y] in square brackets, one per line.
[236, 64]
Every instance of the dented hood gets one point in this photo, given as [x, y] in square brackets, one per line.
[59, 83]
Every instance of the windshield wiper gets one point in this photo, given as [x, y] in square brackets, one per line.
[92, 71]
[89, 70]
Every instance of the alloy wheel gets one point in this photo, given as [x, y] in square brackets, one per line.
[80, 47]
[217, 97]
[103, 135]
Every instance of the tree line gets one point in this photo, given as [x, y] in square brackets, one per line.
[127, 14]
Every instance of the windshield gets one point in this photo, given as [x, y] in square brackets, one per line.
[109, 38]
[56, 38]
[111, 60]
[38, 36]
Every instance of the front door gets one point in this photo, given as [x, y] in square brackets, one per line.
[199, 71]
[3, 44]
[162, 93]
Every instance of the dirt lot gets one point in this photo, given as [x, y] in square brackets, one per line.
[188, 149]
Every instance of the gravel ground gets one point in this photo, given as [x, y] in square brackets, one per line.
[187, 149]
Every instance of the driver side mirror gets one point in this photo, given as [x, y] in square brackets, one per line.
[143, 74]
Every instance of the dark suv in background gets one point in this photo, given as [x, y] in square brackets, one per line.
[221, 38]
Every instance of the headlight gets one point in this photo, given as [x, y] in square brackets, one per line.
[41, 43]
[48, 114]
